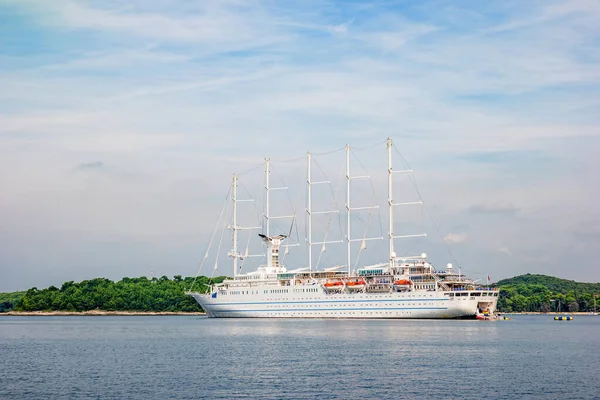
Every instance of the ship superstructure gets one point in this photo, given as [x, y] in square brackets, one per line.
[397, 287]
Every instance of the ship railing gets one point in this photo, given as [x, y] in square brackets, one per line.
[421, 280]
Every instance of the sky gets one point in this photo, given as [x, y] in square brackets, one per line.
[121, 125]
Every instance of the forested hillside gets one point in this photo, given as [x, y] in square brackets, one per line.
[128, 294]
[544, 293]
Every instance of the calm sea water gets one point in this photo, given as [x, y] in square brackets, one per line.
[181, 357]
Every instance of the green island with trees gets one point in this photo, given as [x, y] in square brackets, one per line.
[129, 294]
[542, 293]
[528, 293]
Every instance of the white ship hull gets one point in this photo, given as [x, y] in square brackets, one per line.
[318, 304]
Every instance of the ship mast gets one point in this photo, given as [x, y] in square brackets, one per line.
[348, 241]
[390, 204]
[267, 198]
[234, 227]
[309, 212]
[273, 247]
[234, 253]
[349, 210]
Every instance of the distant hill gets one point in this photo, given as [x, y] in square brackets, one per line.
[551, 282]
[543, 293]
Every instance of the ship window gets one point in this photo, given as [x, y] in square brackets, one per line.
[495, 294]
[475, 294]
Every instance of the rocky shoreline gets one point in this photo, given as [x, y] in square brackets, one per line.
[95, 313]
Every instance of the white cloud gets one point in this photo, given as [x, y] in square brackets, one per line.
[456, 237]
[505, 250]
[504, 209]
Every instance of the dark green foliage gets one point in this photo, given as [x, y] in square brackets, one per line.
[9, 300]
[542, 293]
[128, 294]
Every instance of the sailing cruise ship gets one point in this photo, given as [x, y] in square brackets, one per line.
[397, 287]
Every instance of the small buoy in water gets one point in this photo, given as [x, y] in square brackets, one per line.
[563, 318]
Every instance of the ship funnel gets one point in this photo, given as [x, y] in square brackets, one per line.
[271, 239]
[273, 244]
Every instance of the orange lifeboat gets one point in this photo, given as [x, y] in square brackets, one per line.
[356, 285]
[402, 282]
[334, 285]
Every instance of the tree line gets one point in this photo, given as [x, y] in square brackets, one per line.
[128, 294]
[542, 293]
[8, 300]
